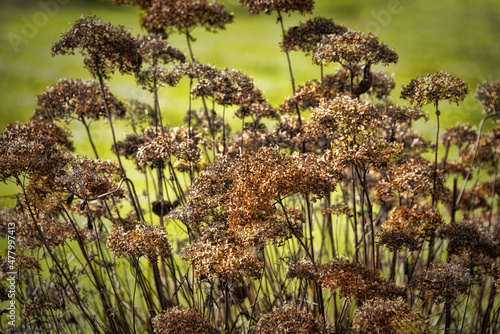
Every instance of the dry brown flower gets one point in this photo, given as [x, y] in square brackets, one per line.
[434, 88]
[54, 231]
[104, 47]
[488, 95]
[443, 282]
[382, 315]
[79, 99]
[285, 6]
[139, 240]
[182, 16]
[460, 135]
[42, 303]
[179, 319]
[288, 318]
[303, 269]
[408, 228]
[307, 35]
[33, 147]
[353, 47]
[355, 280]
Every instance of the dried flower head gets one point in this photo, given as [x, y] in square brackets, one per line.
[408, 228]
[285, 6]
[303, 269]
[42, 303]
[381, 315]
[443, 282]
[307, 35]
[459, 135]
[54, 231]
[104, 47]
[290, 319]
[434, 88]
[32, 148]
[78, 99]
[182, 16]
[356, 281]
[353, 47]
[179, 319]
[488, 95]
[139, 240]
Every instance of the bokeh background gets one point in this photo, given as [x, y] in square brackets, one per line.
[461, 37]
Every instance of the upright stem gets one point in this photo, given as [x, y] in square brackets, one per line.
[434, 200]
[87, 128]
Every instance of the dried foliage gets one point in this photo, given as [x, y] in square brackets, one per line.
[180, 319]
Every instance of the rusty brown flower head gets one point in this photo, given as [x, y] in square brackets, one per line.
[443, 282]
[139, 240]
[285, 6]
[353, 47]
[179, 319]
[306, 35]
[488, 95]
[78, 99]
[104, 47]
[182, 16]
[381, 315]
[290, 318]
[434, 88]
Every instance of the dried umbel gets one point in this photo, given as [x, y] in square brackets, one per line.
[443, 282]
[407, 228]
[468, 241]
[303, 269]
[382, 315]
[42, 303]
[139, 240]
[104, 47]
[172, 142]
[355, 280]
[306, 36]
[155, 49]
[32, 148]
[291, 319]
[182, 16]
[434, 88]
[54, 232]
[285, 6]
[353, 47]
[179, 319]
[488, 95]
[79, 99]
[460, 135]
[412, 179]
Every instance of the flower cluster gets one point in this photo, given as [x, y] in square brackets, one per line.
[182, 16]
[290, 319]
[179, 319]
[443, 282]
[489, 95]
[76, 98]
[381, 315]
[434, 88]
[408, 228]
[307, 35]
[353, 47]
[285, 6]
[104, 47]
[139, 240]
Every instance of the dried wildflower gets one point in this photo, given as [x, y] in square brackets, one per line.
[381, 315]
[172, 142]
[78, 99]
[411, 179]
[130, 146]
[408, 228]
[307, 35]
[303, 269]
[290, 319]
[443, 282]
[488, 95]
[285, 6]
[40, 304]
[182, 16]
[338, 209]
[54, 232]
[434, 88]
[179, 319]
[27, 263]
[140, 240]
[484, 152]
[104, 48]
[33, 147]
[356, 281]
[353, 47]
[89, 178]
[460, 135]
[155, 49]
[468, 241]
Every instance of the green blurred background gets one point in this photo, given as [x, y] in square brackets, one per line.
[461, 37]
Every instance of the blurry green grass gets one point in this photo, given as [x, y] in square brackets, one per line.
[460, 37]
